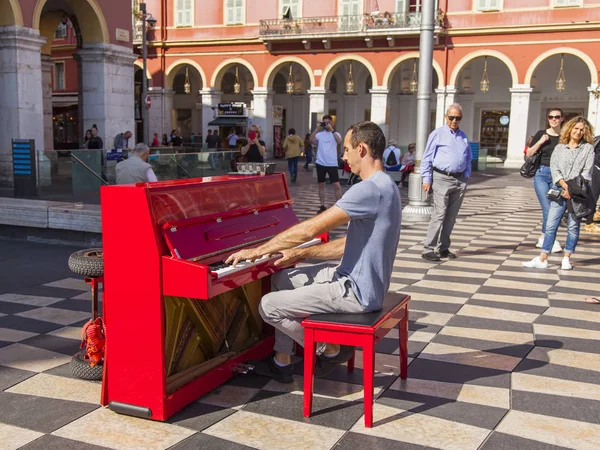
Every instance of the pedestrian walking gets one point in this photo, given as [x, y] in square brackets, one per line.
[327, 140]
[308, 151]
[292, 146]
[572, 159]
[446, 164]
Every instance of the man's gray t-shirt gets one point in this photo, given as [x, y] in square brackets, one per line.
[375, 210]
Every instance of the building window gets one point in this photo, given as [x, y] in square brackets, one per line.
[294, 7]
[59, 76]
[488, 5]
[184, 13]
[560, 3]
[350, 7]
[234, 12]
[61, 31]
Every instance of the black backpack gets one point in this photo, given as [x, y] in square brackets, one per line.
[391, 159]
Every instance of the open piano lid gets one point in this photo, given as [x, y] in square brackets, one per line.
[202, 218]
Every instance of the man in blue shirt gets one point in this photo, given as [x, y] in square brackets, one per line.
[358, 284]
[446, 164]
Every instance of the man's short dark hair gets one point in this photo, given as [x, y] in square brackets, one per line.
[370, 134]
[292, 131]
[327, 116]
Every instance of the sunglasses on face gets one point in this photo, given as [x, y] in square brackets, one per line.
[453, 118]
[554, 117]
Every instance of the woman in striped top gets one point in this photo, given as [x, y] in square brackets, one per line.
[573, 156]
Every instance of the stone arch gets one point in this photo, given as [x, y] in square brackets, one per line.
[333, 64]
[391, 70]
[10, 13]
[217, 76]
[493, 53]
[140, 66]
[557, 51]
[274, 69]
[96, 28]
[176, 65]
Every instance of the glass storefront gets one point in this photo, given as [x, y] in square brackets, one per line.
[493, 135]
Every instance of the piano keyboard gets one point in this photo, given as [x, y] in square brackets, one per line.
[222, 269]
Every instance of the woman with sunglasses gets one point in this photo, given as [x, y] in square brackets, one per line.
[544, 141]
[572, 157]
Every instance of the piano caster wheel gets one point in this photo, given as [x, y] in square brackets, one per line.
[242, 368]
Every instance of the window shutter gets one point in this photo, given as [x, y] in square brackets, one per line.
[178, 12]
[188, 16]
[494, 4]
[400, 6]
[238, 11]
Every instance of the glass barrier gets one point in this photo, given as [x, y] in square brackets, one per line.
[76, 175]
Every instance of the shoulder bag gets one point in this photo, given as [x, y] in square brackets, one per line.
[531, 165]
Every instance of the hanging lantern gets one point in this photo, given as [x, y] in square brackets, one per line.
[414, 82]
[350, 82]
[236, 85]
[484, 85]
[289, 86]
[561, 81]
[187, 87]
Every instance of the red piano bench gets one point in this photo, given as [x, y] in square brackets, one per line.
[357, 330]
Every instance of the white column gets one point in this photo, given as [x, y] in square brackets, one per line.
[106, 90]
[210, 101]
[350, 109]
[451, 97]
[299, 115]
[379, 101]
[160, 113]
[534, 122]
[517, 127]
[440, 108]
[469, 120]
[47, 66]
[407, 119]
[318, 104]
[21, 99]
[168, 110]
[594, 108]
[263, 116]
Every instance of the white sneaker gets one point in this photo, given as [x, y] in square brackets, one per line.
[556, 248]
[566, 263]
[536, 263]
[540, 242]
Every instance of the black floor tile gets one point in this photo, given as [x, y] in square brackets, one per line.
[573, 408]
[326, 412]
[578, 345]
[9, 376]
[48, 291]
[466, 413]
[54, 343]
[512, 292]
[567, 304]
[14, 308]
[38, 413]
[500, 348]
[51, 442]
[452, 279]
[357, 441]
[502, 441]
[521, 307]
[458, 373]
[199, 416]
[26, 324]
[490, 324]
[77, 305]
[249, 380]
[569, 323]
[205, 441]
[428, 328]
[440, 292]
[422, 305]
[391, 346]
[523, 279]
[545, 369]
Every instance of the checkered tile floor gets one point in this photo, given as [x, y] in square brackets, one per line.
[501, 357]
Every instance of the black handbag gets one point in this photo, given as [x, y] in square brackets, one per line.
[531, 165]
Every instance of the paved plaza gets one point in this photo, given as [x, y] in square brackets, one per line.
[501, 358]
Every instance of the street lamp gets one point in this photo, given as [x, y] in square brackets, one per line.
[151, 21]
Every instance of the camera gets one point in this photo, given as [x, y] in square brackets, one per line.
[554, 194]
[323, 124]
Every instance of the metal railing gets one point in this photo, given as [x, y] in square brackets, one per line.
[342, 24]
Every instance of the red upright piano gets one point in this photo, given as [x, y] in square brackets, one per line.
[179, 320]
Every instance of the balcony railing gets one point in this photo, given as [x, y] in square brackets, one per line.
[341, 24]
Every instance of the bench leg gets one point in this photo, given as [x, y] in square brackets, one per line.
[403, 336]
[351, 362]
[368, 375]
[309, 367]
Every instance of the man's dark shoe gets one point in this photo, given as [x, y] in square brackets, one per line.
[447, 254]
[323, 367]
[345, 354]
[321, 209]
[431, 256]
[268, 368]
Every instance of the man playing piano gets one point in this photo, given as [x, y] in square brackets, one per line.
[358, 283]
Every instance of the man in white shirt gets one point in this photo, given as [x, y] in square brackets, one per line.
[232, 139]
[327, 141]
[136, 169]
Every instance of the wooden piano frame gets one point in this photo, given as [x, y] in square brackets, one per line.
[141, 270]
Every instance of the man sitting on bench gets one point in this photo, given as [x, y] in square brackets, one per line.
[359, 283]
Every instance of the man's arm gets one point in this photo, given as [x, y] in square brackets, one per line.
[427, 160]
[467, 171]
[338, 137]
[296, 235]
[313, 136]
[331, 250]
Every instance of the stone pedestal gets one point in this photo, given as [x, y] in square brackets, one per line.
[517, 127]
[379, 102]
[21, 99]
[319, 105]
[106, 90]
[263, 116]
[210, 101]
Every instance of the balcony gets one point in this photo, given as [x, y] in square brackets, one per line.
[339, 26]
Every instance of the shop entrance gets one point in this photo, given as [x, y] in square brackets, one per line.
[493, 134]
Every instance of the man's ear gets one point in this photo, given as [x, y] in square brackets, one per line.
[364, 150]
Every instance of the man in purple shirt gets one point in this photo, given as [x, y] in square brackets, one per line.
[446, 164]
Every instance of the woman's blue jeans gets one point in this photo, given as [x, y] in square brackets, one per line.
[542, 182]
[555, 213]
[293, 165]
[308, 152]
